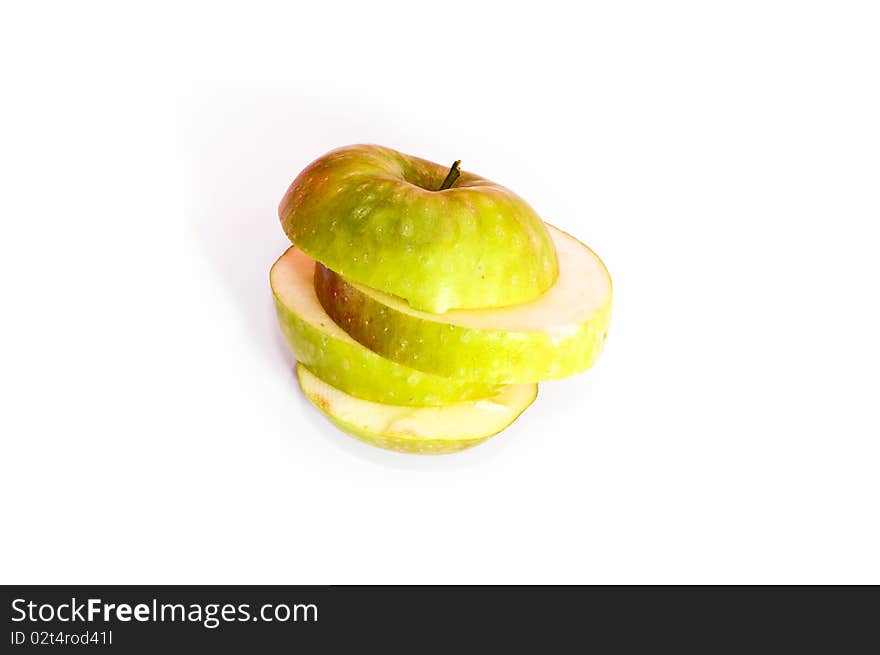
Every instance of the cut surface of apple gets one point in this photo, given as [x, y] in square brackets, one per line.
[423, 430]
[380, 218]
[337, 358]
[558, 334]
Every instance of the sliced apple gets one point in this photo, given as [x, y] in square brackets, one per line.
[337, 358]
[559, 334]
[424, 430]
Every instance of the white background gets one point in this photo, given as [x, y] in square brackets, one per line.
[722, 158]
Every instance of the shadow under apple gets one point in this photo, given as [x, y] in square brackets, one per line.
[243, 144]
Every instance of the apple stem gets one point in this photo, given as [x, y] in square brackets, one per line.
[452, 175]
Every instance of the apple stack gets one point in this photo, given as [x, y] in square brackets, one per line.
[424, 304]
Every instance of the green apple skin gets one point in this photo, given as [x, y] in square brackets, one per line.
[407, 439]
[432, 344]
[340, 360]
[376, 216]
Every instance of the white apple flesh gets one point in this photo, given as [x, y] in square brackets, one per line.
[423, 430]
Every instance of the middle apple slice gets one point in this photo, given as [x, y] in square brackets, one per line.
[332, 355]
[558, 334]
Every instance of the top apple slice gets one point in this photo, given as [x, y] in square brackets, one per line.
[378, 217]
[558, 334]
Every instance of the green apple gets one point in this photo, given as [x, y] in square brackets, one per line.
[425, 430]
[337, 358]
[559, 334]
[381, 218]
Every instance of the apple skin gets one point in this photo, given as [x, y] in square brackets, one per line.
[435, 344]
[340, 360]
[377, 217]
[405, 438]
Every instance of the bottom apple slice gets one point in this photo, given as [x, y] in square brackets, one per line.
[424, 430]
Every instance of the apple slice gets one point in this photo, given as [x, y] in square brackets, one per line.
[437, 237]
[334, 356]
[559, 334]
[425, 430]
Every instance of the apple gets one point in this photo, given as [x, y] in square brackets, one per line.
[424, 304]
[424, 430]
[558, 334]
[334, 356]
[439, 238]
